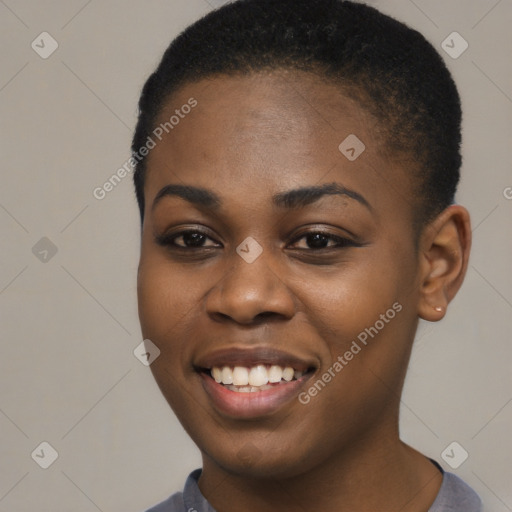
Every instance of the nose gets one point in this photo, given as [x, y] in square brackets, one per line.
[250, 293]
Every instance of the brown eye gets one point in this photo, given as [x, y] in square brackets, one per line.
[191, 240]
[318, 241]
[187, 240]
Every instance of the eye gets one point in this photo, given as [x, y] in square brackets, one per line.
[187, 240]
[317, 240]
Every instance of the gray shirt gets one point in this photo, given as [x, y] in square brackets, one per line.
[454, 496]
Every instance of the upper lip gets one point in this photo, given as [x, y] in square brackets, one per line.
[235, 356]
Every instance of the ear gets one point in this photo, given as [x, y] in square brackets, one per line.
[444, 253]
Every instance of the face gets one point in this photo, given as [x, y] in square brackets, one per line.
[268, 255]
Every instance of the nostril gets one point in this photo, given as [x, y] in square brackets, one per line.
[258, 319]
[265, 315]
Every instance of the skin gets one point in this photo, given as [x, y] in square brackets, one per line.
[249, 138]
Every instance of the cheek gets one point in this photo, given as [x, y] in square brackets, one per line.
[343, 303]
[164, 300]
[362, 316]
[164, 307]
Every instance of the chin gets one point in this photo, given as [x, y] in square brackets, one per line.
[251, 462]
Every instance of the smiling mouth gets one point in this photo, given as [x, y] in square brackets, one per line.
[254, 379]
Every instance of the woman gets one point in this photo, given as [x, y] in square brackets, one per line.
[296, 169]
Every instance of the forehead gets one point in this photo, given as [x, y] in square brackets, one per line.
[267, 107]
[267, 131]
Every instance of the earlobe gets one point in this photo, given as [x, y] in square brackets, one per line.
[444, 253]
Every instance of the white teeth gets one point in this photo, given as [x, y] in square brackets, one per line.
[217, 374]
[248, 389]
[240, 376]
[288, 374]
[255, 378]
[275, 373]
[227, 375]
[258, 376]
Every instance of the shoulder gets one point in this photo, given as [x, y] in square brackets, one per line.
[173, 504]
[456, 496]
[190, 500]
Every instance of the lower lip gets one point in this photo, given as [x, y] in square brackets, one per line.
[251, 405]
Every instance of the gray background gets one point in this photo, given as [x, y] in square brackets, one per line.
[68, 375]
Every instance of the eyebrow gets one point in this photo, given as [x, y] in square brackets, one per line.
[290, 199]
[304, 196]
[196, 195]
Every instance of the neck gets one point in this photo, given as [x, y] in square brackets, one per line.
[375, 473]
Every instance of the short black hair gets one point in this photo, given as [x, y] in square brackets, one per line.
[395, 72]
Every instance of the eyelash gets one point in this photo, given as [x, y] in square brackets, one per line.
[169, 241]
[341, 242]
